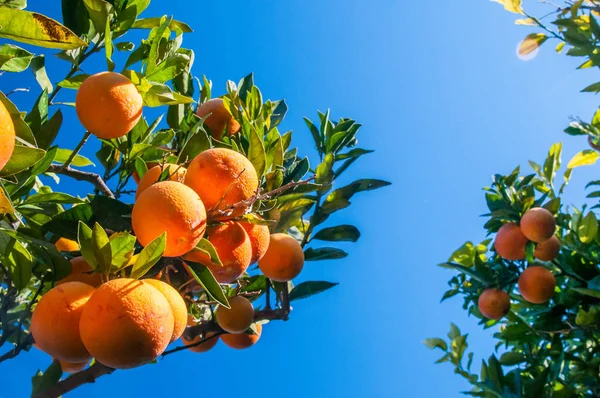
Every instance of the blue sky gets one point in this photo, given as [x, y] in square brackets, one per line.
[444, 102]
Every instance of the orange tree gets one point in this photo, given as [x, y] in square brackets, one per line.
[536, 280]
[109, 280]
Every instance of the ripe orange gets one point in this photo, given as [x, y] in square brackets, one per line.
[222, 178]
[126, 323]
[204, 347]
[243, 340]
[81, 271]
[73, 367]
[170, 207]
[66, 245]
[537, 284]
[547, 250]
[7, 136]
[259, 238]
[233, 247]
[177, 304]
[55, 321]
[494, 303]
[538, 224]
[220, 120]
[283, 260]
[238, 318]
[510, 242]
[108, 105]
[176, 173]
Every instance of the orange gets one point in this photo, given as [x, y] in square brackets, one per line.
[81, 271]
[177, 304]
[220, 120]
[537, 284]
[176, 173]
[538, 224]
[243, 340]
[233, 247]
[204, 347]
[7, 136]
[259, 238]
[510, 242]
[55, 321]
[494, 303]
[547, 250]
[170, 207]
[238, 318]
[66, 245]
[108, 105]
[126, 323]
[283, 260]
[222, 178]
[73, 367]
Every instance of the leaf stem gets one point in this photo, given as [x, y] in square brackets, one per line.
[77, 149]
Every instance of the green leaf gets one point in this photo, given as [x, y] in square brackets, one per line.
[324, 172]
[14, 59]
[99, 11]
[74, 82]
[588, 228]
[587, 292]
[584, 158]
[161, 94]
[340, 233]
[324, 253]
[207, 248]
[307, 289]
[468, 271]
[62, 155]
[149, 256]
[37, 29]
[122, 245]
[84, 238]
[53, 197]
[339, 198]
[206, 279]
[108, 46]
[101, 247]
[256, 153]
[169, 69]
[49, 130]
[22, 158]
[436, 343]
[592, 88]
[41, 382]
[39, 71]
[354, 153]
[149, 23]
[512, 358]
[20, 264]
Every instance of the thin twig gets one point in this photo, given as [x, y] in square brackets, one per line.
[78, 379]
[77, 149]
[79, 175]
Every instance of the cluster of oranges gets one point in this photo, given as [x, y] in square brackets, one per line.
[124, 323]
[536, 283]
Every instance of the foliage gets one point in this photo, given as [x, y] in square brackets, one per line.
[551, 349]
[34, 215]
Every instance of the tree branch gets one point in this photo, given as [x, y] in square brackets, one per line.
[79, 175]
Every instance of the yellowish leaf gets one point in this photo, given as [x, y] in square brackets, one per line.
[526, 22]
[511, 5]
[584, 158]
[560, 47]
[5, 203]
[531, 43]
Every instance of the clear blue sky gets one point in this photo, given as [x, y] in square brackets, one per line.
[444, 102]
